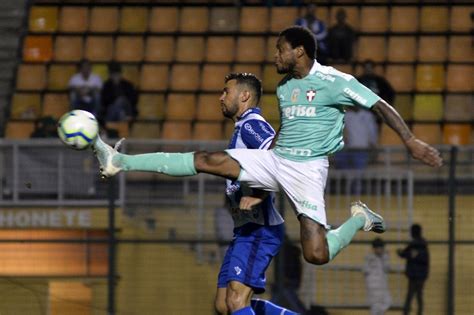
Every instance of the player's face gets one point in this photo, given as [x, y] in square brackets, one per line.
[230, 99]
[285, 58]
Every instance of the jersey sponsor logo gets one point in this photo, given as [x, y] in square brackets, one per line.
[310, 94]
[308, 205]
[291, 112]
[326, 77]
[295, 151]
[249, 128]
[264, 128]
[294, 95]
[282, 97]
[355, 96]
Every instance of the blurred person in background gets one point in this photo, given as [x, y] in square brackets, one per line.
[84, 89]
[45, 127]
[318, 28]
[341, 38]
[376, 83]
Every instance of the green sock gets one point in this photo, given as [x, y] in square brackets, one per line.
[173, 164]
[342, 236]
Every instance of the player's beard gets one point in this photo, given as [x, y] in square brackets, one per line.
[287, 68]
[229, 111]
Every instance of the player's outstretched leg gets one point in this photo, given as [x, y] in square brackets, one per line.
[361, 218]
[263, 307]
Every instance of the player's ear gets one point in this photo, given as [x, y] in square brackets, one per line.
[299, 51]
[244, 96]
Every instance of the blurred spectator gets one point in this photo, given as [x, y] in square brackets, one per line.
[341, 39]
[45, 127]
[84, 89]
[119, 97]
[376, 83]
[375, 270]
[417, 267]
[310, 21]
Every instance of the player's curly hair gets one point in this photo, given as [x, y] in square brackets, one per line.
[301, 36]
[248, 79]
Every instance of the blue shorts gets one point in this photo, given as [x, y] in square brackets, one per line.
[249, 255]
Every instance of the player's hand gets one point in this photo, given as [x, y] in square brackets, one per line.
[248, 202]
[424, 152]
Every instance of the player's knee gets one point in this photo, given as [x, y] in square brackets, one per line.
[317, 256]
[235, 300]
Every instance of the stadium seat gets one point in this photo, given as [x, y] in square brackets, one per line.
[102, 70]
[220, 49]
[459, 78]
[429, 133]
[248, 68]
[371, 47]
[212, 77]
[99, 48]
[133, 19]
[207, 131]
[434, 19]
[404, 19]
[281, 18]
[180, 107]
[55, 105]
[400, 77]
[401, 48]
[185, 77]
[347, 68]
[404, 106]
[132, 74]
[250, 49]
[31, 77]
[194, 19]
[104, 19]
[271, 48]
[459, 107]
[43, 19]
[37, 48]
[269, 106]
[145, 130]
[352, 15]
[388, 136]
[270, 78]
[190, 49]
[209, 108]
[59, 76]
[460, 49]
[457, 134]
[373, 19]
[428, 107]
[122, 127]
[429, 78]
[19, 129]
[73, 19]
[461, 18]
[173, 130]
[25, 106]
[432, 49]
[164, 19]
[154, 77]
[129, 48]
[229, 127]
[159, 48]
[254, 19]
[225, 19]
[68, 48]
[151, 106]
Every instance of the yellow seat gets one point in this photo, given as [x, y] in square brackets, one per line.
[207, 131]
[457, 134]
[401, 48]
[212, 77]
[122, 127]
[224, 19]
[256, 69]
[190, 49]
[428, 107]
[180, 107]
[269, 106]
[352, 15]
[346, 68]
[404, 19]
[371, 47]
[38, 48]
[59, 76]
[129, 48]
[229, 127]
[388, 136]
[374, 19]
[154, 77]
[250, 49]
[194, 19]
[73, 19]
[133, 19]
[209, 108]
[271, 48]
[220, 49]
[164, 19]
[132, 74]
[429, 133]
[460, 49]
[459, 78]
[270, 78]
[185, 77]
[25, 106]
[401, 77]
[145, 130]
[31, 77]
[55, 105]
[434, 19]
[159, 48]
[458, 107]
[99, 48]
[429, 78]
[102, 70]
[68, 48]
[281, 18]
[432, 49]
[43, 19]
[19, 129]
[151, 106]
[254, 19]
[180, 130]
[104, 19]
[461, 18]
[404, 106]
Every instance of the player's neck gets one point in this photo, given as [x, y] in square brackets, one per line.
[302, 70]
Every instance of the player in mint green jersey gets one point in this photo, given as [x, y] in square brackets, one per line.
[312, 98]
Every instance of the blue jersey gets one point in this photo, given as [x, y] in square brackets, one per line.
[251, 132]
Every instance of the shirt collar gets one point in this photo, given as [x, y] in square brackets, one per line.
[253, 110]
[315, 67]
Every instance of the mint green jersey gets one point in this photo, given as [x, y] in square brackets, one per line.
[312, 112]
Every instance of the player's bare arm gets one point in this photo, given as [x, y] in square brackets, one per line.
[248, 202]
[418, 149]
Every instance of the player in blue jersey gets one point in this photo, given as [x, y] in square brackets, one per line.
[312, 98]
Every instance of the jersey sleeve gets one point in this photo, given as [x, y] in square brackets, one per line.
[257, 134]
[353, 93]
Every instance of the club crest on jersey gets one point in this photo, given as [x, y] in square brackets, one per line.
[310, 94]
[294, 95]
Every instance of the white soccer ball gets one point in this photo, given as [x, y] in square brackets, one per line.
[78, 129]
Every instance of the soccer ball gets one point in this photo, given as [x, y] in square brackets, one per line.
[78, 129]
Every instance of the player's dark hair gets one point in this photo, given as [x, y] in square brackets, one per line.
[301, 36]
[248, 79]
[416, 231]
[378, 242]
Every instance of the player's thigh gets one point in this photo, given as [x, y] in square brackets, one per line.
[219, 302]
[216, 163]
